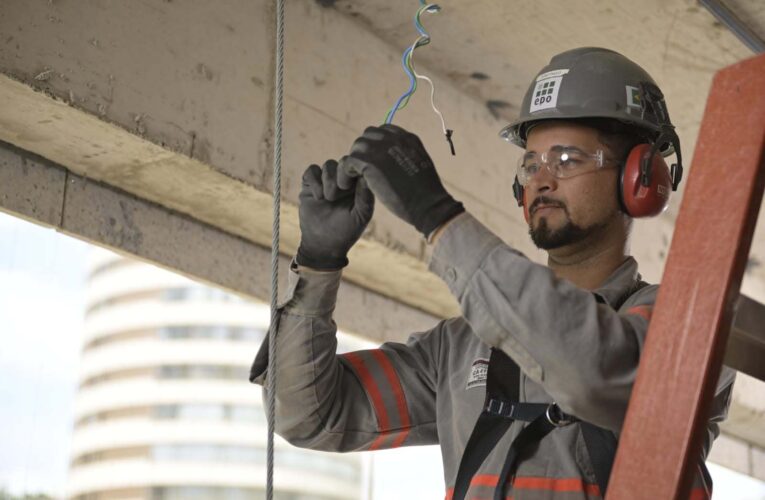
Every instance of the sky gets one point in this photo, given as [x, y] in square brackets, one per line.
[42, 294]
[41, 313]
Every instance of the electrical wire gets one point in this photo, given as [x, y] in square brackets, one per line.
[407, 61]
[422, 40]
[432, 96]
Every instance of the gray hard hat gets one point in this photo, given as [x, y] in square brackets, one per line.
[592, 82]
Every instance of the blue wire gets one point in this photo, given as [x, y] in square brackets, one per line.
[419, 27]
[425, 38]
[412, 82]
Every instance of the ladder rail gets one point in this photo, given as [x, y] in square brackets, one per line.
[695, 306]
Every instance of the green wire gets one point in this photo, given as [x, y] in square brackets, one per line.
[423, 40]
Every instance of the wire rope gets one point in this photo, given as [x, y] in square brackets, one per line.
[271, 372]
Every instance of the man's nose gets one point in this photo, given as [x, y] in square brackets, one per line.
[542, 181]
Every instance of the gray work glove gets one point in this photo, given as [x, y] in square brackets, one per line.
[401, 174]
[331, 219]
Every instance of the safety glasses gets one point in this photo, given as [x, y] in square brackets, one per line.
[562, 162]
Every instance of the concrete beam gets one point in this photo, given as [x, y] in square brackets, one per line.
[163, 116]
[35, 189]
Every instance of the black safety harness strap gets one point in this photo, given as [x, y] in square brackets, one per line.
[501, 408]
[601, 446]
[502, 381]
[487, 432]
[532, 433]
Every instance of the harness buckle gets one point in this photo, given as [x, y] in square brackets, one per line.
[499, 407]
[558, 417]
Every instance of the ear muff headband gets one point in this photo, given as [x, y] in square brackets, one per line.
[652, 101]
[645, 180]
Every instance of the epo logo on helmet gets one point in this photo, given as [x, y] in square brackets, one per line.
[545, 94]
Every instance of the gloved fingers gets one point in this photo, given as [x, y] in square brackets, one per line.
[332, 192]
[388, 132]
[364, 201]
[414, 141]
[312, 182]
[374, 133]
[348, 171]
[394, 129]
[362, 145]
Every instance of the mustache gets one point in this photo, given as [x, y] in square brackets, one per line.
[544, 200]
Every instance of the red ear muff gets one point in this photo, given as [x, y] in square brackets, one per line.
[637, 198]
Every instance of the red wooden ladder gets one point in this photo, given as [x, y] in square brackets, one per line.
[692, 317]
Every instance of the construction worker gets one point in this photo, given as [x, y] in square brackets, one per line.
[527, 391]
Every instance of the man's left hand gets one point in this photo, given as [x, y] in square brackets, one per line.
[402, 176]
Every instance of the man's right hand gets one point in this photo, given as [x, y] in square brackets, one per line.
[331, 219]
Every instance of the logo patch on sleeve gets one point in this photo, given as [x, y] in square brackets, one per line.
[478, 373]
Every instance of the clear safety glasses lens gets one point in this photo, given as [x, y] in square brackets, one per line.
[561, 163]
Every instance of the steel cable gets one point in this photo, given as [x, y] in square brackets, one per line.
[271, 373]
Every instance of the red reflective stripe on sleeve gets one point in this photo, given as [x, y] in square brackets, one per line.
[398, 392]
[400, 439]
[372, 389]
[378, 442]
[644, 311]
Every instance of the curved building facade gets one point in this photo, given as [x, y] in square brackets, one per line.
[164, 410]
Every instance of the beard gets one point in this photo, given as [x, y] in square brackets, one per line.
[546, 238]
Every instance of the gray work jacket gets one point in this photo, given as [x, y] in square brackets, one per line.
[573, 346]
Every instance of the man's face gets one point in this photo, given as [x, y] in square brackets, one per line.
[567, 211]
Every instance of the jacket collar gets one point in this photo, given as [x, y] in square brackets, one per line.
[615, 290]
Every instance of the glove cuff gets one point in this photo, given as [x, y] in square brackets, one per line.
[439, 213]
[323, 263]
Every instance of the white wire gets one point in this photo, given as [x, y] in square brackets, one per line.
[432, 90]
